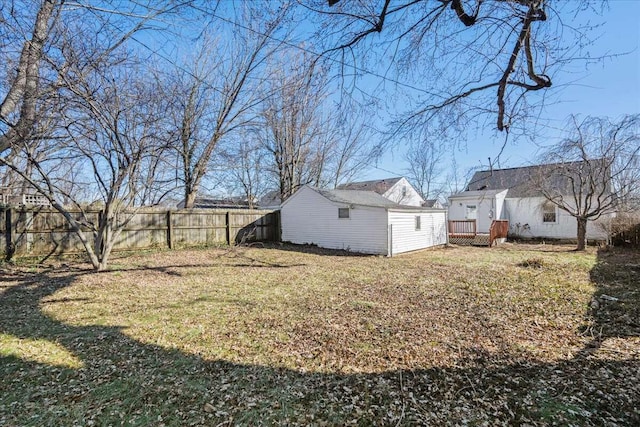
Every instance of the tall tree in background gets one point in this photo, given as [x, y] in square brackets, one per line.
[595, 171]
[310, 139]
[217, 94]
[425, 159]
[352, 151]
[244, 161]
[294, 126]
[461, 58]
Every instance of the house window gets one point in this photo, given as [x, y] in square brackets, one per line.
[343, 212]
[418, 225]
[471, 212]
[404, 191]
[549, 212]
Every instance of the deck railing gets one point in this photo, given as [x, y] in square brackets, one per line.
[462, 228]
[498, 230]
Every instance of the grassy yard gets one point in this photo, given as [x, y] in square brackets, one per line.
[519, 334]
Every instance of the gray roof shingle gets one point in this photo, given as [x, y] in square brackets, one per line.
[380, 186]
[365, 198]
[357, 197]
[521, 181]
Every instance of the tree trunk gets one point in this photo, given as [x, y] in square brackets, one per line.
[189, 199]
[582, 234]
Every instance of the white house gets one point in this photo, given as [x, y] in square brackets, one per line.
[398, 190]
[359, 221]
[509, 194]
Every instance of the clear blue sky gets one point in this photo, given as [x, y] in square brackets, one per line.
[607, 88]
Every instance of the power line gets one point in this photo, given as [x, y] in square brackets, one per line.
[322, 55]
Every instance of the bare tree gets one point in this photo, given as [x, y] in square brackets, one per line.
[20, 93]
[216, 95]
[294, 130]
[309, 138]
[96, 122]
[244, 163]
[459, 58]
[598, 172]
[425, 157]
[352, 150]
[25, 76]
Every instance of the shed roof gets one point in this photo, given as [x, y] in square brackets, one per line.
[379, 186]
[365, 198]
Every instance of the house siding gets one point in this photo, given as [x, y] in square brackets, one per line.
[521, 211]
[489, 207]
[410, 198]
[433, 230]
[309, 218]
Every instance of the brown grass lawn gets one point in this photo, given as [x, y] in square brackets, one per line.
[518, 334]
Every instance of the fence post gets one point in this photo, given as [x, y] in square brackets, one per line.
[228, 227]
[10, 235]
[169, 230]
[277, 233]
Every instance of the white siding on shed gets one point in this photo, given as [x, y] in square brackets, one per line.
[309, 218]
[433, 230]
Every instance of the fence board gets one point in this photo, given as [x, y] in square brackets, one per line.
[42, 231]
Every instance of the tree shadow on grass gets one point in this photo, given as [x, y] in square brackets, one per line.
[113, 379]
[615, 306]
[315, 250]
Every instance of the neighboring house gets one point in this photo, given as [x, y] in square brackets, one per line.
[509, 194]
[359, 221]
[10, 197]
[239, 202]
[398, 190]
[271, 200]
[433, 203]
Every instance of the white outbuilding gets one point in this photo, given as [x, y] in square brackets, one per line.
[360, 221]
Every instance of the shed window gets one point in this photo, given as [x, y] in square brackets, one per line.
[343, 212]
[549, 212]
[418, 224]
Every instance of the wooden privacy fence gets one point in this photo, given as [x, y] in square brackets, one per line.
[42, 231]
[498, 230]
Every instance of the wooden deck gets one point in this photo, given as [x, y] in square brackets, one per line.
[464, 232]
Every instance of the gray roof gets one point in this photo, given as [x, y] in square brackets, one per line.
[521, 181]
[356, 197]
[363, 198]
[272, 198]
[380, 186]
[432, 203]
[214, 203]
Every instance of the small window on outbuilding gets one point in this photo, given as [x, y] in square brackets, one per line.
[343, 212]
[418, 224]
[549, 213]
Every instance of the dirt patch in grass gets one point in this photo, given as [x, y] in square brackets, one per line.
[277, 335]
[531, 263]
